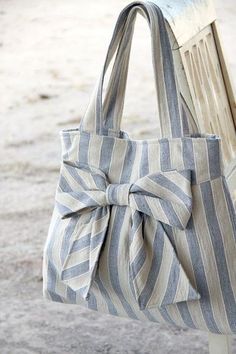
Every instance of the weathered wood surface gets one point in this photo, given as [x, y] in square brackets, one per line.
[187, 17]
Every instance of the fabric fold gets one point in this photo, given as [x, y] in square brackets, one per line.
[156, 275]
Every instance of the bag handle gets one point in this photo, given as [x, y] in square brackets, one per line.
[115, 107]
[167, 92]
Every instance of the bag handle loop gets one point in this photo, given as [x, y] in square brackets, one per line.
[166, 87]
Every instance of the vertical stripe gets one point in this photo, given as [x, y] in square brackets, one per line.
[114, 260]
[117, 160]
[105, 295]
[106, 154]
[201, 160]
[200, 276]
[225, 224]
[128, 162]
[51, 284]
[218, 245]
[165, 155]
[144, 163]
[65, 144]
[176, 155]
[167, 316]
[83, 148]
[169, 76]
[184, 116]
[154, 157]
[155, 259]
[173, 277]
[188, 157]
[66, 241]
[94, 152]
[214, 157]
[185, 314]
[116, 230]
[231, 209]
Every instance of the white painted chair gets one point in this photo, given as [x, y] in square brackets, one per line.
[205, 85]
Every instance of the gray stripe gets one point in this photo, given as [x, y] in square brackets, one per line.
[184, 121]
[83, 148]
[185, 314]
[110, 120]
[136, 220]
[128, 162]
[138, 262]
[144, 163]
[62, 209]
[114, 260]
[165, 155]
[106, 153]
[85, 198]
[188, 157]
[172, 282]
[51, 283]
[72, 170]
[67, 143]
[169, 75]
[97, 240]
[230, 205]
[169, 231]
[218, 245]
[65, 246]
[105, 295]
[170, 213]
[81, 243]
[75, 271]
[64, 185]
[214, 157]
[142, 204]
[200, 277]
[167, 183]
[158, 244]
[113, 254]
[149, 316]
[99, 181]
[166, 316]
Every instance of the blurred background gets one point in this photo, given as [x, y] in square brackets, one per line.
[51, 54]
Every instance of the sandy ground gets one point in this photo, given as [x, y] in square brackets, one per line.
[50, 55]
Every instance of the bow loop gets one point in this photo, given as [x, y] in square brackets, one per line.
[118, 194]
[162, 197]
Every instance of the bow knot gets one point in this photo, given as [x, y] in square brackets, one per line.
[118, 194]
[162, 197]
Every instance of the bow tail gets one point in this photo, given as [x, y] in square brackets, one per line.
[80, 266]
[156, 274]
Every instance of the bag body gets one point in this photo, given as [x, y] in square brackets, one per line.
[144, 229]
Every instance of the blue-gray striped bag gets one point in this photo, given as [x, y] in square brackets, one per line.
[144, 229]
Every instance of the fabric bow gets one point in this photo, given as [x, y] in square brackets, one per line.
[156, 201]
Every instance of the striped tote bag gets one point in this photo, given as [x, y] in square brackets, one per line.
[144, 229]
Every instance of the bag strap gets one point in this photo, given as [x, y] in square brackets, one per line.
[167, 92]
[115, 107]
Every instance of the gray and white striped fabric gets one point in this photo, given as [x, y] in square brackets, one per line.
[144, 229]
